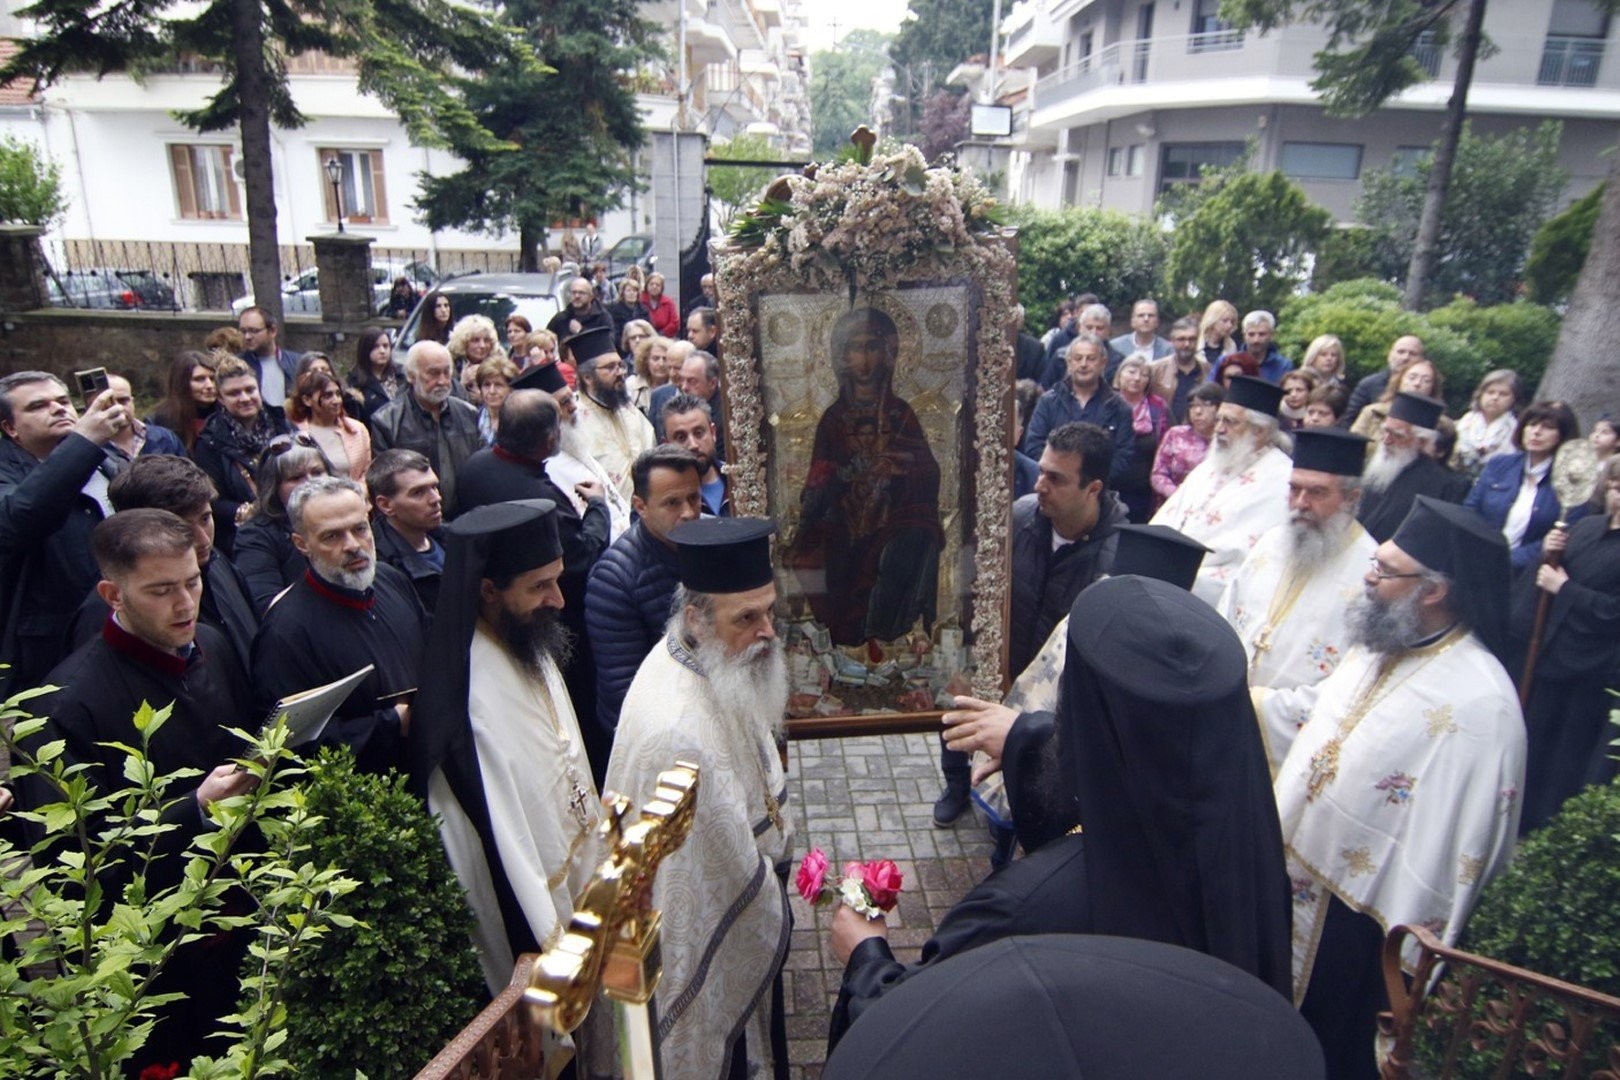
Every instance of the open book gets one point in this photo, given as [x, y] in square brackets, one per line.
[309, 710]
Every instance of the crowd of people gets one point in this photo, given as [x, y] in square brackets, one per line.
[1265, 634]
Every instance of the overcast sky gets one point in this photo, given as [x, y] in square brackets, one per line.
[828, 18]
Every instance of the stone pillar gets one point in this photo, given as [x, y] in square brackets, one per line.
[22, 268]
[344, 261]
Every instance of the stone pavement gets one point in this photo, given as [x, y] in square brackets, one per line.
[869, 798]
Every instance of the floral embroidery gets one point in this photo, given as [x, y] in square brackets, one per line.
[1506, 798]
[1305, 891]
[1439, 721]
[1469, 869]
[1397, 788]
[1358, 861]
[1326, 657]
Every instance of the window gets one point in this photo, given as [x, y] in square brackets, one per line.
[1071, 182]
[1321, 161]
[1404, 161]
[365, 194]
[1183, 163]
[1574, 48]
[204, 183]
[1211, 33]
[1116, 156]
[1133, 161]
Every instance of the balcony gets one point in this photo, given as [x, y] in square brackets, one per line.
[1570, 61]
[1032, 38]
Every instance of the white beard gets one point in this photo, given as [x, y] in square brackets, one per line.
[751, 690]
[1385, 466]
[1234, 457]
[571, 443]
[1310, 545]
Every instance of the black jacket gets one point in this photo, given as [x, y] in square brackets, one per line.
[226, 606]
[1045, 582]
[232, 466]
[45, 562]
[393, 550]
[626, 609]
[404, 424]
[596, 315]
[268, 559]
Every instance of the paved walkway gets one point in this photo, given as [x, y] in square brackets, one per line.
[869, 798]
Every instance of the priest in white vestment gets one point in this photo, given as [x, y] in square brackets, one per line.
[714, 692]
[1239, 492]
[499, 748]
[572, 463]
[1287, 600]
[1399, 799]
[612, 430]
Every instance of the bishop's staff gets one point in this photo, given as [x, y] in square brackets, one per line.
[1574, 471]
[612, 939]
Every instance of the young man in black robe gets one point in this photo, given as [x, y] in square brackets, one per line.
[152, 649]
[1173, 834]
[347, 611]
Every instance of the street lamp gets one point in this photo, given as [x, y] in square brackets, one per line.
[334, 173]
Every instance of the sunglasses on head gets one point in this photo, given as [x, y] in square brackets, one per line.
[283, 443]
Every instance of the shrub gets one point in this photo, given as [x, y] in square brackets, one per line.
[1559, 250]
[1075, 250]
[388, 993]
[30, 185]
[1345, 254]
[1519, 336]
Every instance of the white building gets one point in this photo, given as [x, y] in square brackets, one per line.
[1131, 96]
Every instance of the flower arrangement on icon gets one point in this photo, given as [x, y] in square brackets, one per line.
[871, 888]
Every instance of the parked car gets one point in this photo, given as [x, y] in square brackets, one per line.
[113, 289]
[630, 251]
[301, 293]
[534, 296]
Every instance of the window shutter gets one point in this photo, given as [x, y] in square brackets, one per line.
[379, 189]
[184, 186]
[233, 196]
[326, 185]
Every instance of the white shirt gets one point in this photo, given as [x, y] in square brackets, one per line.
[1518, 518]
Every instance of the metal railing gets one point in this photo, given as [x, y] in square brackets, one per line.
[1570, 61]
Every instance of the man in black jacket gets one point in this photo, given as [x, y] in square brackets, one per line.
[442, 428]
[583, 312]
[53, 491]
[407, 510]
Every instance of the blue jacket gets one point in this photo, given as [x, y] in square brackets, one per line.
[1495, 492]
[1106, 409]
[626, 610]
[1272, 368]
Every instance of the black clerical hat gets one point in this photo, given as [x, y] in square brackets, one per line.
[1079, 1005]
[521, 535]
[1459, 543]
[591, 344]
[1330, 450]
[1156, 638]
[547, 377]
[1158, 551]
[1417, 410]
[1253, 393]
[724, 554]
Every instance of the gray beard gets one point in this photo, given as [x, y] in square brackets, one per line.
[1310, 545]
[1234, 458]
[357, 580]
[571, 442]
[1384, 628]
[1385, 466]
[751, 690]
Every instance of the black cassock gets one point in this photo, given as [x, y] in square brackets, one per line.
[1382, 512]
[319, 632]
[226, 606]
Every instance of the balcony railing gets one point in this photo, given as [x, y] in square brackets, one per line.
[1570, 61]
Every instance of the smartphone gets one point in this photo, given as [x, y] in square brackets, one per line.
[90, 383]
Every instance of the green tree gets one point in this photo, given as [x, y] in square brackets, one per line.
[1502, 189]
[1368, 60]
[935, 36]
[841, 88]
[1559, 249]
[1080, 249]
[416, 56]
[1246, 240]
[737, 186]
[30, 185]
[566, 141]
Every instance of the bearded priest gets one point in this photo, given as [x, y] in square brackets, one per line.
[497, 746]
[1403, 466]
[1399, 799]
[714, 692]
[1287, 600]
[1239, 491]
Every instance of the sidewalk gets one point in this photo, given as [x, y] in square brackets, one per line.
[869, 798]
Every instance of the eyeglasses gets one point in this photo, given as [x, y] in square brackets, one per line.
[247, 330]
[1380, 574]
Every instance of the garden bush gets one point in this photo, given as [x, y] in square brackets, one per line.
[1520, 336]
[1559, 249]
[1076, 250]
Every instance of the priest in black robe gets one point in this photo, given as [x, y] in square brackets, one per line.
[347, 611]
[1402, 467]
[515, 468]
[1174, 834]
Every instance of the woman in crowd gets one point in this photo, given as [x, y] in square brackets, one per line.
[1231, 366]
[1514, 492]
[1417, 376]
[518, 329]
[494, 377]
[471, 343]
[542, 349]
[626, 307]
[1150, 416]
[660, 308]
[265, 553]
[1297, 387]
[1325, 356]
[191, 399]
[353, 400]
[631, 335]
[1603, 438]
[1486, 429]
[316, 408]
[1325, 405]
[401, 299]
[1215, 331]
[436, 320]
[1184, 447]
[651, 371]
[225, 339]
[375, 376]
[230, 443]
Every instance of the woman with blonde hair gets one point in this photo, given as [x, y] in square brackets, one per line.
[1486, 429]
[1417, 376]
[471, 343]
[1215, 331]
[652, 371]
[1325, 356]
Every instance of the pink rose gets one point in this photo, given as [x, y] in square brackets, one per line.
[883, 881]
[812, 875]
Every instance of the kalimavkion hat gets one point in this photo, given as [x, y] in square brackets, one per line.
[521, 535]
[1459, 543]
[1330, 450]
[1256, 394]
[1158, 551]
[1417, 410]
[724, 554]
[592, 344]
[547, 377]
